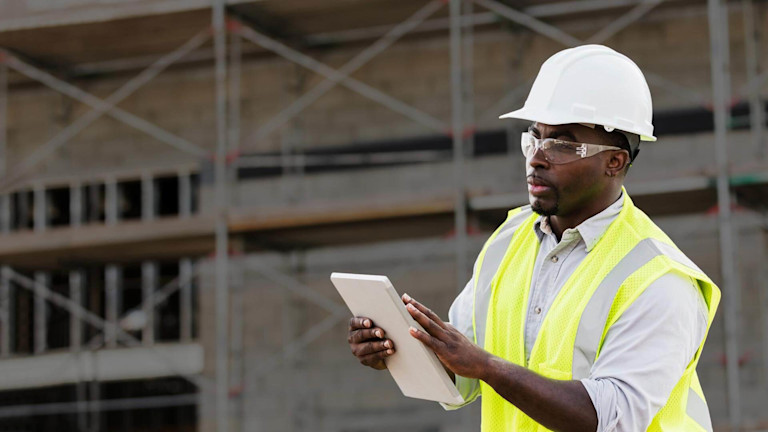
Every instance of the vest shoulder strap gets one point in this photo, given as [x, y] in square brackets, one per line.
[595, 316]
[488, 263]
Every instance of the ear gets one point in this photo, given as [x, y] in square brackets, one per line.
[617, 163]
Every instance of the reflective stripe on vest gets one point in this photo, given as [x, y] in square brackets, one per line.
[491, 261]
[595, 315]
[697, 410]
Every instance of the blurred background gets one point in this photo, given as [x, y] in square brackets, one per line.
[178, 179]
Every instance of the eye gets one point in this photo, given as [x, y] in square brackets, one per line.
[561, 147]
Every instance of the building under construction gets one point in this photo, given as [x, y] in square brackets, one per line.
[178, 179]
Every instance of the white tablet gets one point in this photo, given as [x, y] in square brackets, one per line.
[415, 368]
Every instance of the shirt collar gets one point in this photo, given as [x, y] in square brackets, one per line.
[591, 230]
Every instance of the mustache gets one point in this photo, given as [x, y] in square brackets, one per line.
[538, 180]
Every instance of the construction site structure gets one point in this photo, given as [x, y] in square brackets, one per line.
[178, 179]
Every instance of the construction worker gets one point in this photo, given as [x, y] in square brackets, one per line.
[581, 314]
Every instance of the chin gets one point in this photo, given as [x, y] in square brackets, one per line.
[543, 208]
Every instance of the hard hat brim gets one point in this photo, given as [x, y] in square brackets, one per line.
[526, 114]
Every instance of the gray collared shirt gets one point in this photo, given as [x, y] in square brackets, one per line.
[644, 353]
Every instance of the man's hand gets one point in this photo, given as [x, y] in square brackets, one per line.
[368, 344]
[454, 350]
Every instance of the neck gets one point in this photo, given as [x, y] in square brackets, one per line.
[560, 223]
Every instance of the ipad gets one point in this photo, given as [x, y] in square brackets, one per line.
[414, 367]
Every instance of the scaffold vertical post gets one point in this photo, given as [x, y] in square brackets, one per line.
[111, 204]
[222, 201]
[185, 299]
[75, 323]
[75, 204]
[233, 116]
[3, 119]
[237, 373]
[720, 67]
[5, 213]
[185, 195]
[756, 108]
[5, 311]
[236, 270]
[22, 210]
[40, 312]
[40, 208]
[148, 199]
[468, 75]
[112, 281]
[148, 287]
[457, 130]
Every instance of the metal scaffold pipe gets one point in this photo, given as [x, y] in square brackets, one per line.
[222, 241]
[457, 123]
[719, 40]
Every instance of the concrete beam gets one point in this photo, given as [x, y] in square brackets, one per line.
[133, 240]
[26, 14]
[104, 365]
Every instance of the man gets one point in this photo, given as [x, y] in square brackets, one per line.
[581, 313]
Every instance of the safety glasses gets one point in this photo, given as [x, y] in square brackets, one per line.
[558, 151]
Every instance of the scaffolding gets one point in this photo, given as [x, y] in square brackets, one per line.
[233, 35]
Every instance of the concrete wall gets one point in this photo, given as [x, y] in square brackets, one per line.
[671, 42]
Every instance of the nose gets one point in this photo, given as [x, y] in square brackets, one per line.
[538, 160]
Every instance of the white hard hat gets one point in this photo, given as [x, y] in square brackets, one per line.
[590, 84]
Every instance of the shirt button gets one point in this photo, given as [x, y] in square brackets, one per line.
[537, 310]
[554, 259]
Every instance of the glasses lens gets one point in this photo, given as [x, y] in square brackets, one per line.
[527, 144]
[555, 151]
[560, 152]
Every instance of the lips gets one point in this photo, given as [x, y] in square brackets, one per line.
[538, 186]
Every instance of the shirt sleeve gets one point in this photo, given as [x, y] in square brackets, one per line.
[646, 352]
[460, 316]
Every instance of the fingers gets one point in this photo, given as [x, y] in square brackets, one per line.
[377, 349]
[424, 337]
[360, 323]
[359, 336]
[375, 360]
[423, 309]
[430, 326]
[428, 319]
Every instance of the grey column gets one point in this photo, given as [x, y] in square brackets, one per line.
[40, 312]
[5, 311]
[720, 67]
[185, 300]
[113, 281]
[221, 214]
[5, 213]
[148, 198]
[75, 324]
[40, 209]
[3, 120]
[457, 129]
[148, 287]
[75, 204]
[111, 202]
[756, 107]
[22, 212]
[185, 195]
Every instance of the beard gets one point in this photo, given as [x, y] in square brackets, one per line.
[545, 209]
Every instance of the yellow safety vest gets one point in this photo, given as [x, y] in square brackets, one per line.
[632, 253]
